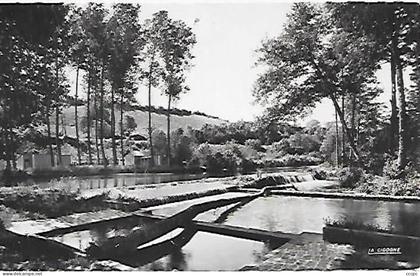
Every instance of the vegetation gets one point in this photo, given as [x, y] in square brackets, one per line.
[326, 51]
[332, 51]
[352, 224]
[51, 203]
[108, 48]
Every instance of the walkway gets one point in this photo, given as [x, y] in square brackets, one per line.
[306, 252]
[44, 225]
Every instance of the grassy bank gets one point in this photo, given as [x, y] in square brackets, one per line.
[357, 180]
[49, 202]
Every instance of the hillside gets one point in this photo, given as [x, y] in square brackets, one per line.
[159, 121]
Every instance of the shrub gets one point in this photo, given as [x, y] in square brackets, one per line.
[350, 176]
[52, 203]
[254, 144]
[292, 161]
[355, 224]
[391, 170]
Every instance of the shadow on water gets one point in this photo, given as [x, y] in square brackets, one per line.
[171, 247]
[223, 216]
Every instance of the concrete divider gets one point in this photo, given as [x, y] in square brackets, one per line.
[367, 238]
[118, 246]
[35, 245]
[408, 199]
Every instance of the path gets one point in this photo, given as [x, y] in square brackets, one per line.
[44, 225]
[306, 252]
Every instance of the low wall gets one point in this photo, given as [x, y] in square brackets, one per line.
[366, 238]
[119, 246]
[408, 199]
[35, 245]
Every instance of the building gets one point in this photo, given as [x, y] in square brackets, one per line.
[40, 161]
[142, 159]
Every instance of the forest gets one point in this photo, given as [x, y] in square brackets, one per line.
[325, 51]
[111, 50]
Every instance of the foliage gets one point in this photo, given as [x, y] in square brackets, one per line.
[350, 176]
[129, 124]
[52, 203]
[290, 160]
[355, 224]
[182, 147]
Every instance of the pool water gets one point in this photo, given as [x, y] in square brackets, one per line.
[304, 214]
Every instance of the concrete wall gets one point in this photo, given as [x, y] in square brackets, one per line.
[142, 162]
[41, 161]
[24, 161]
[65, 160]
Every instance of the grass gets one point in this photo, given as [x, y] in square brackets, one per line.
[134, 204]
[51, 202]
[358, 225]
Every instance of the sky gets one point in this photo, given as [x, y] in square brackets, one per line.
[224, 71]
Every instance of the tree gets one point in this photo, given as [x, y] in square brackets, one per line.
[59, 46]
[25, 35]
[175, 48]
[389, 25]
[313, 60]
[152, 73]
[125, 42]
[94, 24]
[79, 54]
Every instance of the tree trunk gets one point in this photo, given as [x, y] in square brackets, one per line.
[57, 115]
[336, 141]
[114, 147]
[355, 151]
[343, 140]
[47, 117]
[7, 149]
[152, 161]
[57, 134]
[76, 119]
[12, 148]
[88, 121]
[122, 127]
[105, 161]
[394, 112]
[353, 123]
[169, 130]
[402, 139]
[95, 103]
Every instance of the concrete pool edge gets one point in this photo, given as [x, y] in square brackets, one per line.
[359, 196]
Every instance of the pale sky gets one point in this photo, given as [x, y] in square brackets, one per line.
[223, 75]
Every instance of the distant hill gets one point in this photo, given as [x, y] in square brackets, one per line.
[179, 119]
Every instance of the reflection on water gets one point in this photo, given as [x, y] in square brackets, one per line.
[134, 179]
[115, 181]
[207, 251]
[102, 231]
[191, 250]
[304, 214]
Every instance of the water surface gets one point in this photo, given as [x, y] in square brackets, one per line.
[304, 214]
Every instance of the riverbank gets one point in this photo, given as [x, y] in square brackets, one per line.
[353, 180]
[91, 170]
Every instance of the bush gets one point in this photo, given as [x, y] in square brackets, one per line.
[254, 144]
[391, 170]
[349, 177]
[52, 202]
[292, 161]
[217, 158]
